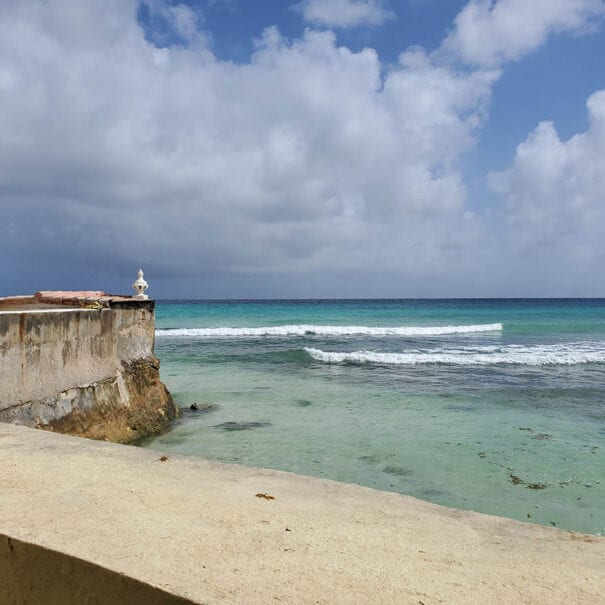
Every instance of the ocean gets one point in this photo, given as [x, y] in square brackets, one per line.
[496, 406]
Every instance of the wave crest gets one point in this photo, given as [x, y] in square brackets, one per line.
[570, 354]
[318, 330]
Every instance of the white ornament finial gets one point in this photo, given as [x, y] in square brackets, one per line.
[139, 286]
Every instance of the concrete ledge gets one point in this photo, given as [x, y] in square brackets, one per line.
[49, 300]
[200, 531]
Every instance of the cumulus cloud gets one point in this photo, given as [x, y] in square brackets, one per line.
[554, 188]
[307, 157]
[344, 13]
[170, 21]
[119, 147]
[490, 33]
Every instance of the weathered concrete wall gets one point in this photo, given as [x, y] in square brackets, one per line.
[76, 369]
[31, 574]
[45, 352]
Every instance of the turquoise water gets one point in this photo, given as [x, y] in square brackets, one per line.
[496, 406]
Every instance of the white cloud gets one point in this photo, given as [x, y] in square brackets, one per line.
[174, 23]
[490, 33]
[310, 159]
[344, 13]
[304, 159]
[554, 190]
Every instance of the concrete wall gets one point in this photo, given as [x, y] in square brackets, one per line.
[45, 352]
[31, 574]
[81, 364]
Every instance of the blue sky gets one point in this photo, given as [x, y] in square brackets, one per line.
[552, 83]
[235, 25]
[333, 148]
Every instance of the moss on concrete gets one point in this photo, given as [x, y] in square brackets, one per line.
[124, 409]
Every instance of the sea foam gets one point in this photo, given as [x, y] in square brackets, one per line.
[319, 330]
[568, 354]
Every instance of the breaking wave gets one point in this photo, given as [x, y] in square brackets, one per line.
[568, 354]
[318, 330]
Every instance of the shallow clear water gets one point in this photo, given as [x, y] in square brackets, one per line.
[490, 405]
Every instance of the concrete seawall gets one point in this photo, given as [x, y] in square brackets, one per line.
[82, 365]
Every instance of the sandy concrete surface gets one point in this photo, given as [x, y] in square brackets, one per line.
[198, 529]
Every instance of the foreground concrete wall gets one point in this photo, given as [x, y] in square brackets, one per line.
[76, 370]
[215, 533]
[31, 575]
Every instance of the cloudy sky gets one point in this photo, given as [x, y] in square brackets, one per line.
[313, 148]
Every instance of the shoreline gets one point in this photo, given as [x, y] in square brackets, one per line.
[505, 422]
[197, 529]
[155, 443]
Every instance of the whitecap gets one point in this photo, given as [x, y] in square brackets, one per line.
[320, 330]
[539, 355]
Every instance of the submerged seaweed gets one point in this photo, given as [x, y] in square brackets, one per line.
[303, 403]
[241, 426]
[398, 471]
[369, 458]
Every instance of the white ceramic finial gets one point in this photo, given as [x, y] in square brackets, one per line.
[139, 286]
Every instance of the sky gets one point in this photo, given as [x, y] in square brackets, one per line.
[304, 148]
